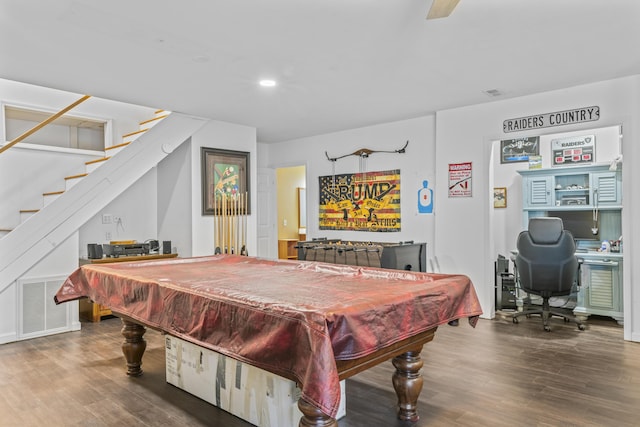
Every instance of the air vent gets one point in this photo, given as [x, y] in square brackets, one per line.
[493, 93]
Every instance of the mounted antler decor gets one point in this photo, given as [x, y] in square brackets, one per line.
[365, 152]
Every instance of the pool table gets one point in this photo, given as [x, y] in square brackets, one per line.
[313, 323]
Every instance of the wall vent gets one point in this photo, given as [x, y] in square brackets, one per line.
[38, 314]
[493, 93]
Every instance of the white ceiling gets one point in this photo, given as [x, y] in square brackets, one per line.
[340, 64]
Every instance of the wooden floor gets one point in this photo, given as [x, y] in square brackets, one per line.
[498, 374]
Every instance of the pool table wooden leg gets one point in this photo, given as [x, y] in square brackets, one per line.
[407, 381]
[133, 346]
[314, 417]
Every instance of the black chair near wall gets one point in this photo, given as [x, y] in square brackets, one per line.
[547, 266]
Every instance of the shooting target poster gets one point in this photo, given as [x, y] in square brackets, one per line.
[367, 201]
[460, 179]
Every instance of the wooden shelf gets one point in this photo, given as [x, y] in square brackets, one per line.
[129, 258]
[287, 249]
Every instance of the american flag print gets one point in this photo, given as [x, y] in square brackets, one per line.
[367, 201]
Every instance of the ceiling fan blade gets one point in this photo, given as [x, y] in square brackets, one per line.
[442, 8]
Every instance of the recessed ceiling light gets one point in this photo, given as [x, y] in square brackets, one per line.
[267, 83]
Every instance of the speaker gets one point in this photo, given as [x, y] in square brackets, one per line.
[166, 246]
[154, 246]
[94, 251]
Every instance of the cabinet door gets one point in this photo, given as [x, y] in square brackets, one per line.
[601, 290]
[609, 188]
[538, 192]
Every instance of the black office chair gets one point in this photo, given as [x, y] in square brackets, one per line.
[546, 265]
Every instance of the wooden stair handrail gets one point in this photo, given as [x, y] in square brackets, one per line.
[44, 123]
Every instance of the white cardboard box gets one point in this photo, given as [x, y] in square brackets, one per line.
[253, 394]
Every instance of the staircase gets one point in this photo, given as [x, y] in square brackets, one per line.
[92, 165]
[64, 211]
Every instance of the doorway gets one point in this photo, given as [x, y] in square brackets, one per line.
[291, 208]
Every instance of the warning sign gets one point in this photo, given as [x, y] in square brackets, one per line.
[460, 179]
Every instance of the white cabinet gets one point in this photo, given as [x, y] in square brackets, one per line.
[538, 191]
[607, 188]
[601, 290]
[571, 188]
[589, 200]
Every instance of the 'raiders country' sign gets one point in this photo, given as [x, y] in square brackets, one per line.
[559, 118]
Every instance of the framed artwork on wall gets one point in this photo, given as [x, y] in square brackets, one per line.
[500, 197]
[225, 175]
[519, 149]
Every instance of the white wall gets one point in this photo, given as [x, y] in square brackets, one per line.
[416, 165]
[227, 136]
[174, 200]
[466, 134]
[136, 207]
[26, 174]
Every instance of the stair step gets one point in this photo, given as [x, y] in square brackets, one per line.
[90, 162]
[70, 181]
[114, 149]
[27, 213]
[130, 137]
[92, 165]
[4, 232]
[50, 197]
[148, 124]
[80, 175]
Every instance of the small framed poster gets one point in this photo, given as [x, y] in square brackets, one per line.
[519, 149]
[500, 197]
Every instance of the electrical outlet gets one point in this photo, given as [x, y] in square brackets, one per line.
[107, 235]
[107, 218]
[284, 222]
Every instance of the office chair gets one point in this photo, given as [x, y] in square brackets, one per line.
[546, 265]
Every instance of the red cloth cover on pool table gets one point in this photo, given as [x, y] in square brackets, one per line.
[291, 318]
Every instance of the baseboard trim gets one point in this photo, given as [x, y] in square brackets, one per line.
[7, 338]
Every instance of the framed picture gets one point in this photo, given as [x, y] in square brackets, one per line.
[519, 149]
[225, 175]
[500, 197]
